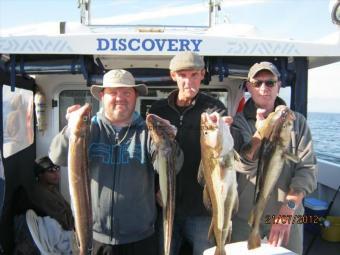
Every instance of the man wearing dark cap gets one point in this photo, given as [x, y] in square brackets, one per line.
[122, 176]
[183, 108]
[296, 180]
[44, 199]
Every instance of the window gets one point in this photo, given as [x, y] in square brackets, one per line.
[72, 97]
[18, 120]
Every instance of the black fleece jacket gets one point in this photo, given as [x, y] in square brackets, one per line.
[189, 199]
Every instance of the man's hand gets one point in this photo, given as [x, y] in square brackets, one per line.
[77, 116]
[228, 120]
[280, 229]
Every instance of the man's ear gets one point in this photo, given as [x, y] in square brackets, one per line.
[278, 86]
[203, 72]
[173, 75]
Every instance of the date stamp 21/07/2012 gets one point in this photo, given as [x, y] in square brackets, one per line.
[292, 219]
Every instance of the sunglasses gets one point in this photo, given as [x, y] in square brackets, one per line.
[53, 169]
[268, 83]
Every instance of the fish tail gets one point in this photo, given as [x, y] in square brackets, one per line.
[254, 240]
[220, 251]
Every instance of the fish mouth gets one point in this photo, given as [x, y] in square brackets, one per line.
[286, 114]
[283, 117]
[160, 127]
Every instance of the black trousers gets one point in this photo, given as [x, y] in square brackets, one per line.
[148, 246]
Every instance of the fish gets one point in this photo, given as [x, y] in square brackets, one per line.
[163, 137]
[79, 181]
[218, 177]
[40, 110]
[276, 130]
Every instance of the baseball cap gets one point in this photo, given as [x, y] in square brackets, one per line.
[43, 164]
[186, 60]
[257, 67]
[118, 79]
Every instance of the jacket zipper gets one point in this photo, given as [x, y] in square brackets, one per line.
[114, 183]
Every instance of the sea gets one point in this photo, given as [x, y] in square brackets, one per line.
[325, 129]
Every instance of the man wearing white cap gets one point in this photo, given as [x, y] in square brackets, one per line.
[183, 108]
[122, 176]
[296, 179]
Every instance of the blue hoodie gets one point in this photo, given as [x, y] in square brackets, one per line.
[122, 179]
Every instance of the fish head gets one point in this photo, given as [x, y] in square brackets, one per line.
[215, 134]
[79, 119]
[282, 117]
[284, 122]
[281, 123]
[160, 129]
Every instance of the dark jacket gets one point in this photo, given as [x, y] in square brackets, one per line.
[45, 201]
[299, 176]
[122, 179]
[189, 198]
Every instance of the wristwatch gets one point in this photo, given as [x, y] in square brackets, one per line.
[291, 204]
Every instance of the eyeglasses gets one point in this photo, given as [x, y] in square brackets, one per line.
[268, 83]
[53, 169]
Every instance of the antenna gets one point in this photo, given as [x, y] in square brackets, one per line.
[84, 6]
[214, 8]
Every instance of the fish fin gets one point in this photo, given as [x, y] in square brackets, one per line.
[236, 156]
[154, 160]
[220, 251]
[228, 232]
[254, 240]
[200, 176]
[206, 199]
[211, 230]
[236, 205]
[251, 218]
[291, 157]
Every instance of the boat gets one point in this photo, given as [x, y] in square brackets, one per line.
[46, 68]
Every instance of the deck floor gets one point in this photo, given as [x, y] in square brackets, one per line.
[320, 246]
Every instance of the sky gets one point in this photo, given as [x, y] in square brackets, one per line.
[298, 19]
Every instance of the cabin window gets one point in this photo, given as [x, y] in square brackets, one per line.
[72, 97]
[154, 94]
[18, 120]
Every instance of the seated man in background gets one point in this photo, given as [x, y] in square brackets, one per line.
[45, 199]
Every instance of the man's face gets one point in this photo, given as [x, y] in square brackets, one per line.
[118, 103]
[264, 93]
[188, 82]
[50, 177]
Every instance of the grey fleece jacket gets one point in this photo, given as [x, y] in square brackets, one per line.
[299, 176]
[122, 179]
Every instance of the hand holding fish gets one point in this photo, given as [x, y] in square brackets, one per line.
[214, 117]
[279, 232]
[76, 116]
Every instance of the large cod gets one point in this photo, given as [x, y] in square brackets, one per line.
[276, 129]
[217, 175]
[163, 137]
[79, 182]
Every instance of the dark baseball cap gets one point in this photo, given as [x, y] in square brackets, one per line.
[257, 67]
[43, 164]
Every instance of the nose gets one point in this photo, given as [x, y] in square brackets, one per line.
[120, 96]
